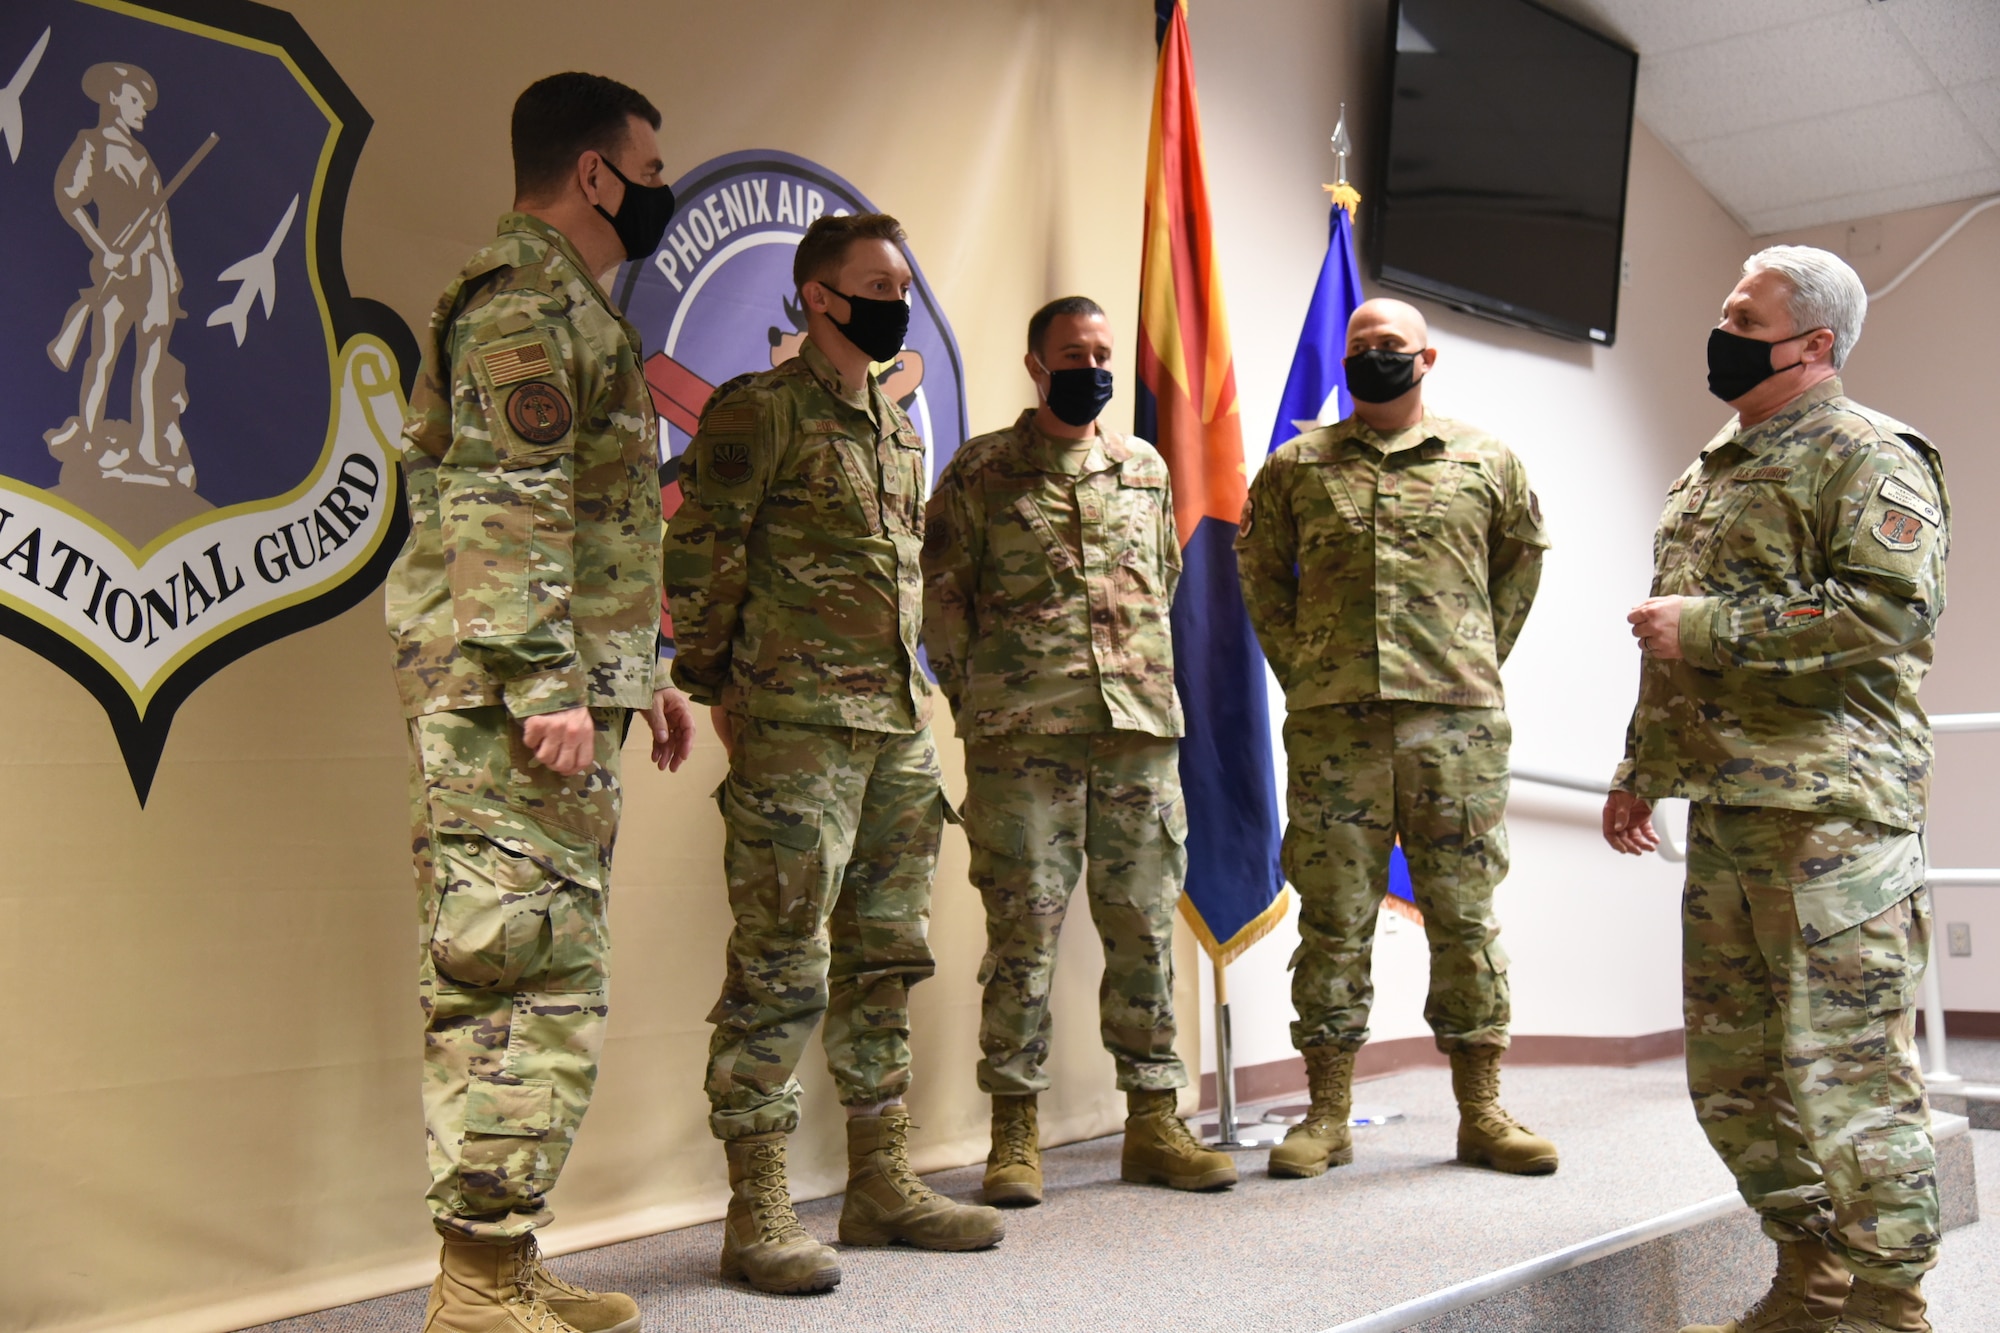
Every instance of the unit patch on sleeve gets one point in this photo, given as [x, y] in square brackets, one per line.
[729, 461]
[513, 364]
[1899, 531]
[538, 412]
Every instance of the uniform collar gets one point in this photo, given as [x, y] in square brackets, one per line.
[1428, 428]
[829, 378]
[533, 226]
[1768, 432]
[1046, 454]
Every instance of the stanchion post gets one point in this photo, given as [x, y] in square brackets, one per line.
[1225, 1064]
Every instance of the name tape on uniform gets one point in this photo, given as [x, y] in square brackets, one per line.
[1898, 492]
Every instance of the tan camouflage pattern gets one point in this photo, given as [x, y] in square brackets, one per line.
[832, 839]
[1805, 935]
[1038, 808]
[531, 577]
[793, 565]
[1049, 574]
[1811, 550]
[1361, 776]
[513, 863]
[1390, 569]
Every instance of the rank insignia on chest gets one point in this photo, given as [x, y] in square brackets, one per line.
[1899, 531]
[514, 364]
[538, 412]
[729, 461]
[1695, 497]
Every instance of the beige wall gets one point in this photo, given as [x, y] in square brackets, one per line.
[211, 1110]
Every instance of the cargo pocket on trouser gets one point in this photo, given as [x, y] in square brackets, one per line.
[506, 1164]
[1869, 971]
[503, 919]
[775, 862]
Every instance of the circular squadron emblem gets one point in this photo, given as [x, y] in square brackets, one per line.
[716, 300]
[199, 450]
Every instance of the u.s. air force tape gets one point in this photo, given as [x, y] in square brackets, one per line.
[538, 412]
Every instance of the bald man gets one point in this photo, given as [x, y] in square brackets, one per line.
[1388, 562]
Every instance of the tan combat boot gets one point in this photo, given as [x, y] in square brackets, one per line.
[582, 1309]
[1878, 1309]
[1805, 1296]
[1161, 1150]
[1324, 1137]
[1487, 1135]
[482, 1287]
[1014, 1166]
[887, 1203]
[762, 1241]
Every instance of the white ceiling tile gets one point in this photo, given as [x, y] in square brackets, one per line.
[1758, 171]
[1778, 76]
[1872, 203]
[1981, 104]
[1655, 27]
[1958, 39]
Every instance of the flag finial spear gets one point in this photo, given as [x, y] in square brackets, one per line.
[1345, 195]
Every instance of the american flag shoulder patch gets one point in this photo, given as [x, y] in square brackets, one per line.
[513, 364]
[733, 419]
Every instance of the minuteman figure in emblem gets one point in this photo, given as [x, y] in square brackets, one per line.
[112, 195]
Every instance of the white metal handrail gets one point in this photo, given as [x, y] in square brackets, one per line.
[1939, 1074]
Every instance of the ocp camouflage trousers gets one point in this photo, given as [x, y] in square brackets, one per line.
[512, 864]
[1801, 1046]
[1362, 775]
[1036, 808]
[831, 841]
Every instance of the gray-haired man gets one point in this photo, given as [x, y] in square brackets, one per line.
[1798, 579]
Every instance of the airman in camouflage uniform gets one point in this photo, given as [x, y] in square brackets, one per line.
[1050, 565]
[793, 570]
[1798, 580]
[1388, 563]
[524, 609]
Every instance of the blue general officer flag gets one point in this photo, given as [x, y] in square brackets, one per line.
[1317, 372]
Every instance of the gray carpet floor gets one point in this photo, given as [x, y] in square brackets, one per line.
[1283, 1256]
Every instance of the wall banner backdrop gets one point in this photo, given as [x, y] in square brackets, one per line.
[717, 301]
[199, 450]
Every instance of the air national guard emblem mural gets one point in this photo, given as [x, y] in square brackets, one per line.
[716, 301]
[197, 447]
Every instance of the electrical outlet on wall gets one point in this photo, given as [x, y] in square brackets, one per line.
[1958, 938]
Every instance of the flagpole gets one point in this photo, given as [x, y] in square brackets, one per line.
[1228, 1133]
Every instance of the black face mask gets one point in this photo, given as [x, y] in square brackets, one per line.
[1379, 375]
[642, 218]
[1078, 393]
[1737, 364]
[877, 327]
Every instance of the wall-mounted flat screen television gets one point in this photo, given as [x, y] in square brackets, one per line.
[1502, 187]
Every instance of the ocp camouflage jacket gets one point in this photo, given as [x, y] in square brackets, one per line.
[1048, 580]
[531, 576]
[793, 566]
[1397, 574]
[1811, 550]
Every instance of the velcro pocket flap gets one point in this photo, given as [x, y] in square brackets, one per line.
[1174, 816]
[564, 852]
[1863, 888]
[517, 1109]
[1897, 1151]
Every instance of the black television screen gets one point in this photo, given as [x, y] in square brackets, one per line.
[1503, 184]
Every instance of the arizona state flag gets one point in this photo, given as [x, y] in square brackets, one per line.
[1187, 407]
